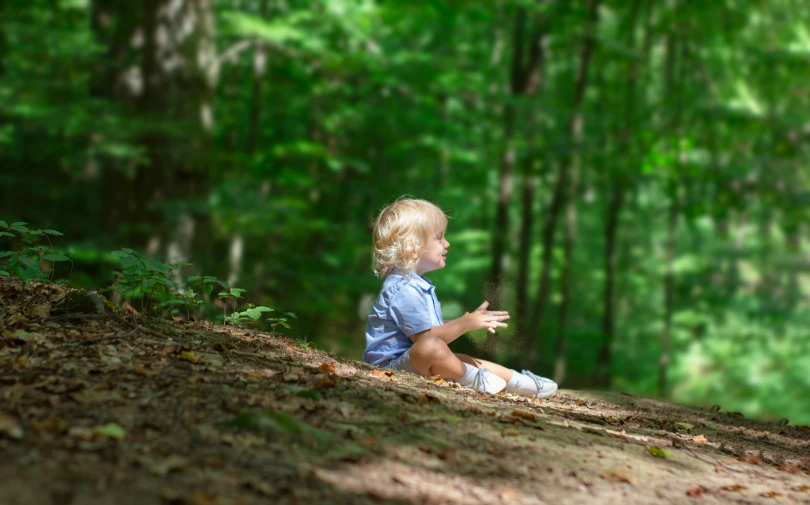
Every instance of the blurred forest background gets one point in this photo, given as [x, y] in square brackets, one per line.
[629, 178]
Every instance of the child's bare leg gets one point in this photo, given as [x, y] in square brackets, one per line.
[431, 356]
[502, 372]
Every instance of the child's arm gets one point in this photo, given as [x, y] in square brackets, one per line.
[480, 318]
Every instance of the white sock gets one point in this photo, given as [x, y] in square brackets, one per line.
[519, 383]
[469, 376]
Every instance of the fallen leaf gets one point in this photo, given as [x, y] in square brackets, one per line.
[658, 452]
[177, 319]
[191, 357]
[800, 488]
[129, 308]
[618, 476]
[790, 468]
[142, 370]
[110, 430]
[437, 379]
[700, 439]
[325, 383]
[510, 432]
[684, 426]
[771, 494]
[734, 487]
[369, 442]
[42, 311]
[378, 373]
[711, 426]
[10, 427]
[507, 495]
[172, 463]
[328, 367]
[750, 458]
[196, 379]
[696, 492]
[524, 415]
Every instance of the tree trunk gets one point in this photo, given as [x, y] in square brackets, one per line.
[617, 192]
[567, 184]
[259, 65]
[177, 54]
[669, 292]
[525, 75]
[611, 228]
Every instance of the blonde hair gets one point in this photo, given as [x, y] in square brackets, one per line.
[401, 231]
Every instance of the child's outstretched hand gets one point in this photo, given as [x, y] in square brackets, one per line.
[489, 319]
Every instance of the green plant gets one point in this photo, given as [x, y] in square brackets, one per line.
[151, 281]
[27, 256]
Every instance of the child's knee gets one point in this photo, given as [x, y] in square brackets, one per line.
[431, 347]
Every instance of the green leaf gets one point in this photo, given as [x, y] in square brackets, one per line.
[3, 224]
[55, 257]
[129, 261]
[684, 426]
[4, 273]
[658, 452]
[308, 393]
[110, 430]
[291, 314]
[209, 279]
[128, 250]
[711, 426]
[6, 234]
[119, 254]
[53, 232]
[35, 232]
[237, 292]
[3, 254]
[223, 284]
[256, 312]
[19, 227]
[193, 278]
[19, 223]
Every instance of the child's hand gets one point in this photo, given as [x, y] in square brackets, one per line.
[489, 319]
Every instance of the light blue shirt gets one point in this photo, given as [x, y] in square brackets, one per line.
[407, 305]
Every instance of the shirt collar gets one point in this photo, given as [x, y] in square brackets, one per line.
[424, 283]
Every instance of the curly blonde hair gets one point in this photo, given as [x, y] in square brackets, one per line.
[401, 231]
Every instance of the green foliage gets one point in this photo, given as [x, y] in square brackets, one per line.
[30, 254]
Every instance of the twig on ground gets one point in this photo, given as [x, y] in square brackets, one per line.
[124, 337]
[726, 467]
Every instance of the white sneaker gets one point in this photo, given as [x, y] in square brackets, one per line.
[543, 387]
[488, 382]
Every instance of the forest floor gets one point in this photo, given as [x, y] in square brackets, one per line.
[120, 408]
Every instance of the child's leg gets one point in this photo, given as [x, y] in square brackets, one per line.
[502, 372]
[431, 356]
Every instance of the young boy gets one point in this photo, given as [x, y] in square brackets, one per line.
[406, 330]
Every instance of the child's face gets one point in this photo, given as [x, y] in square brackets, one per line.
[434, 254]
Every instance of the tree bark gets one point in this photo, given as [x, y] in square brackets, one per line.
[669, 292]
[617, 197]
[565, 191]
[524, 79]
[611, 229]
[259, 65]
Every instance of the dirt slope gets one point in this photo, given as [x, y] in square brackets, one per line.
[117, 408]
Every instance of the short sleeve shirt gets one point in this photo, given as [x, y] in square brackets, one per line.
[407, 305]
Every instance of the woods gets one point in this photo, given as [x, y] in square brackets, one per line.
[627, 178]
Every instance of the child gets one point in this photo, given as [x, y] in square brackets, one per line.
[406, 330]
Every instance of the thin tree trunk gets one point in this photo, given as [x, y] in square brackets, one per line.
[569, 173]
[611, 228]
[673, 91]
[669, 293]
[617, 191]
[523, 82]
[259, 65]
